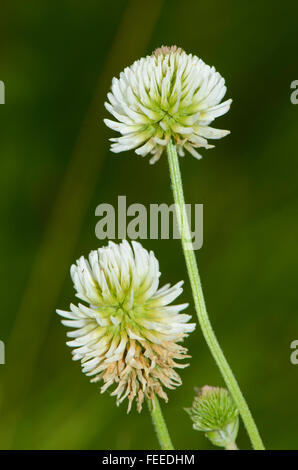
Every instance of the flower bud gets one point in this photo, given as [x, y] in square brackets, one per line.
[214, 412]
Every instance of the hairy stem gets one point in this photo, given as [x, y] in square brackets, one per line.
[232, 446]
[159, 424]
[199, 301]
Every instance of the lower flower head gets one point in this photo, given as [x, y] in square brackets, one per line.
[128, 334]
[168, 95]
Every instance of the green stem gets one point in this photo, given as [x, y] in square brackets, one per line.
[200, 305]
[232, 446]
[160, 424]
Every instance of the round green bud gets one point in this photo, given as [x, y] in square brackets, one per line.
[214, 412]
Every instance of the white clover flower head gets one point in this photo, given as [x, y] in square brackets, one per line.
[127, 335]
[168, 95]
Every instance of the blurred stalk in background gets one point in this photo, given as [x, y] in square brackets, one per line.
[65, 224]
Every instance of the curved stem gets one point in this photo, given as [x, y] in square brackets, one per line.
[159, 424]
[199, 301]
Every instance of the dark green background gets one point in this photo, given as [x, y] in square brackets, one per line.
[57, 62]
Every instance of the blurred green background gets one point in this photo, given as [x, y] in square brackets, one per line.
[57, 62]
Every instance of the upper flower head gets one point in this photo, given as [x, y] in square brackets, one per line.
[127, 336]
[169, 94]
